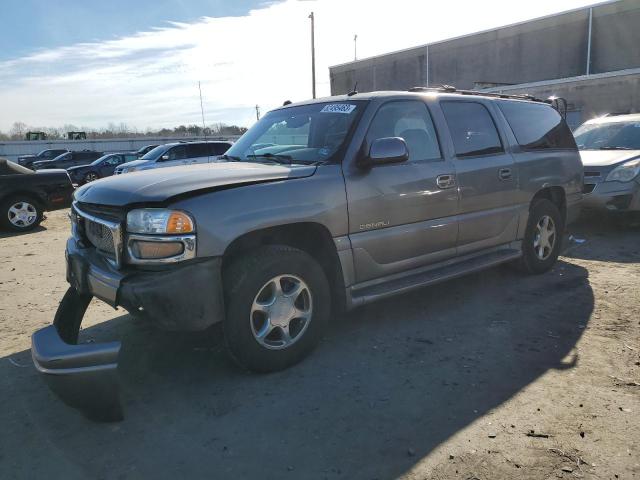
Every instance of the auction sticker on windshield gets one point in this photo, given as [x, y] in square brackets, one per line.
[338, 108]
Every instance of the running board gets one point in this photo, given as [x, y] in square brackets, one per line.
[360, 296]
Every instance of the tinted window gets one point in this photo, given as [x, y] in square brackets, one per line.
[537, 126]
[195, 150]
[472, 129]
[411, 121]
[114, 160]
[218, 148]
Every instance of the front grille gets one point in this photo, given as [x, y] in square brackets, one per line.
[588, 187]
[591, 174]
[99, 236]
[113, 214]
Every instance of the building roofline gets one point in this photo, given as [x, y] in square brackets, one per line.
[556, 81]
[480, 32]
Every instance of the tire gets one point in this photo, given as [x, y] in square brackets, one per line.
[250, 286]
[532, 260]
[91, 177]
[20, 213]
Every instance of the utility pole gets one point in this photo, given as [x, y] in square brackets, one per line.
[313, 56]
[204, 132]
[257, 112]
[355, 47]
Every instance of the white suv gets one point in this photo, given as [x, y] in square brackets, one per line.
[173, 154]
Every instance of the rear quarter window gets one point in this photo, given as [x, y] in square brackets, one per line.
[537, 126]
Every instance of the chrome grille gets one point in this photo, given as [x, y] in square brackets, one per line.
[100, 236]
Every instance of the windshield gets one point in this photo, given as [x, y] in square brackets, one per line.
[155, 153]
[609, 136]
[64, 156]
[304, 134]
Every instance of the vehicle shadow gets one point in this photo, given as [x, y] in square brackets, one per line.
[10, 233]
[603, 238]
[405, 373]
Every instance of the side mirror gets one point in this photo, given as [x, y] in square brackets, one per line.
[384, 151]
[164, 157]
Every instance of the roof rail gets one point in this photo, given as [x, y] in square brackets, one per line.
[450, 89]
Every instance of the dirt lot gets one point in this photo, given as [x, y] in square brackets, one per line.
[493, 376]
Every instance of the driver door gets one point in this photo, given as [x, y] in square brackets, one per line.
[402, 215]
[173, 157]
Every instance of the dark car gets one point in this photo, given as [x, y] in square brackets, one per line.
[144, 150]
[49, 154]
[100, 168]
[69, 159]
[25, 195]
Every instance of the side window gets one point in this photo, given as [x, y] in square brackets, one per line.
[472, 129]
[115, 160]
[537, 126]
[177, 153]
[411, 121]
[195, 150]
[218, 148]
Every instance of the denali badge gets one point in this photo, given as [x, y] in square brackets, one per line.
[369, 226]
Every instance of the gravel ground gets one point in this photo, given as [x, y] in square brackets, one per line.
[493, 376]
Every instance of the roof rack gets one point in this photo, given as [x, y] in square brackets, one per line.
[450, 89]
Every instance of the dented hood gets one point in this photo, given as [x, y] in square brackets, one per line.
[162, 184]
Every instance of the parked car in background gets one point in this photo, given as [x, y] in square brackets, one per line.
[142, 151]
[69, 159]
[25, 195]
[610, 151]
[173, 154]
[355, 199]
[49, 154]
[100, 168]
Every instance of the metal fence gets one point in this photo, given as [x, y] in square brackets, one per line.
[11, 150]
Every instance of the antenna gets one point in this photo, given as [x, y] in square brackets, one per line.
[257, 112]
[204, 129]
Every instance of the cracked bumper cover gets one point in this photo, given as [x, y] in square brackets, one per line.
[181, 297]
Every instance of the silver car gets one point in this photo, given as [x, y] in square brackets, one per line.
[175, 154]
[610, 151]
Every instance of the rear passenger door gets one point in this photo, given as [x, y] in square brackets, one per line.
[486, 176]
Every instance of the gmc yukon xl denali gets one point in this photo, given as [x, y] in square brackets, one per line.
[321, 206]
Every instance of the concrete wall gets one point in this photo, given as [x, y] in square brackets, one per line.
[11, 150]
[543, 49]
[589, 96]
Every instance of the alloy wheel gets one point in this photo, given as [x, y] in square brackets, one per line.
[545, 237]
[22, 214]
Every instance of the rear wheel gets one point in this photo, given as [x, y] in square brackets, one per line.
[278, 305]
[20, 213]
[543, 237]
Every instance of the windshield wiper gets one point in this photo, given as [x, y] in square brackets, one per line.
[614, 148]
[230, 157]
[276, 157]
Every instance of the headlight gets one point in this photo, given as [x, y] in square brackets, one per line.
[159, 221]
[625, 172]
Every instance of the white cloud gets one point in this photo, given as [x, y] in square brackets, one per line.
[150, 79]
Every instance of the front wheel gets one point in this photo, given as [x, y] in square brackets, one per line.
[543, 237]
[278, 305]
[20, 213]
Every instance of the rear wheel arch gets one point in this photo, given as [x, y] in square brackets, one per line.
[311, 237]
[555, 195]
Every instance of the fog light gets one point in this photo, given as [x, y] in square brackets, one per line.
[151, 250]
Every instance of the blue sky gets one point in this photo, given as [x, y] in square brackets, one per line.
[90, 63]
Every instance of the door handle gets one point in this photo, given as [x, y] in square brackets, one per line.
[504, 174]
[446, 181]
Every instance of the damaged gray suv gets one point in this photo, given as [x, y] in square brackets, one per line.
[321, 206]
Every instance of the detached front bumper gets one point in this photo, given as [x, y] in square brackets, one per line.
[183, 297]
